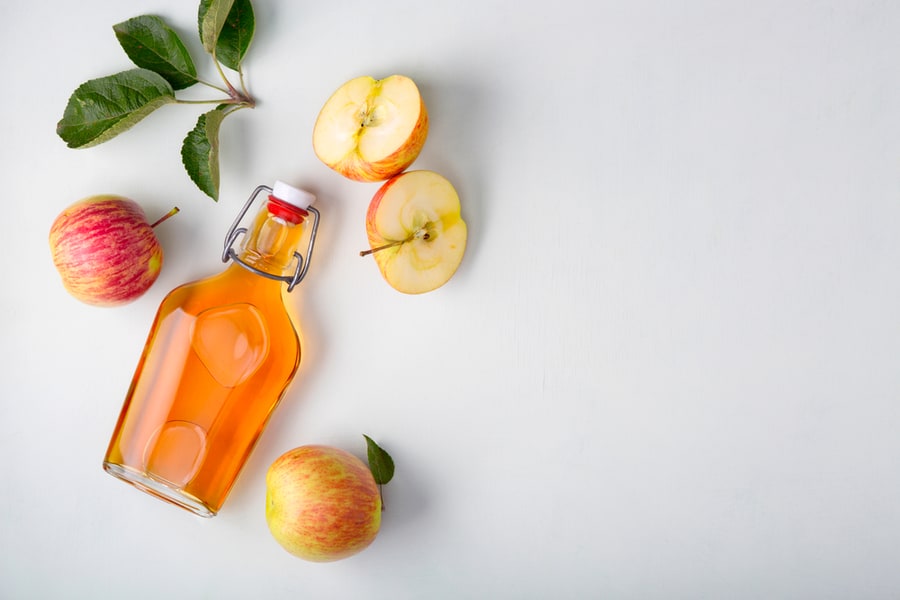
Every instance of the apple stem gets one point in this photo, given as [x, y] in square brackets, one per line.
[172, 212]
[381, 493]
[380, 248]
[421, 233]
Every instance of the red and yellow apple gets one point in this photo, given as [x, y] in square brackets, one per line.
[416, 232]
[322, 503]
[371, 129]
[105, 250]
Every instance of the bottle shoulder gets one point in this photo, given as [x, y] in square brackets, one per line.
[233, 285]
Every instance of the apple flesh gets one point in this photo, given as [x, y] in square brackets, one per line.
[370, 129]
[322, 503]
[416, 232]
[105, 250]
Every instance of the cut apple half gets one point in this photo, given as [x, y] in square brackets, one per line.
[371, 129]
[416, 232]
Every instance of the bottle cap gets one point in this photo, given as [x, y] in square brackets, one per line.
[293, 196]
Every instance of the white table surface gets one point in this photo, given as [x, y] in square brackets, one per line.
[668, 367]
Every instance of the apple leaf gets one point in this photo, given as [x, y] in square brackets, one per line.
[211, 18]
[102, 108]
[200, 151]
[151, 44]
[380, 462]
[236, 35]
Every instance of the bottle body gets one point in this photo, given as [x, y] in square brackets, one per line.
[220, 354]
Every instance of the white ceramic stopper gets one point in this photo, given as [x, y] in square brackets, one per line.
[291, 195]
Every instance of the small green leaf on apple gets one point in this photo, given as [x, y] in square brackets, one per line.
[381, 464]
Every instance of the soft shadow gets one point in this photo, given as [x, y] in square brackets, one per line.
[406, 499]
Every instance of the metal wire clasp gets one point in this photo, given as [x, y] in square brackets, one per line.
[235, 231]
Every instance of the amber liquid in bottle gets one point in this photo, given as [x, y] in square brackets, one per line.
[220, 355]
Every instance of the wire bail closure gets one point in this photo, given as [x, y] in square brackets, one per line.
[234, 232]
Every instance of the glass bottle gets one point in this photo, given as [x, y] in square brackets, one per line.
[219, 357]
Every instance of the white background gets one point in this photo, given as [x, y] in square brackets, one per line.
[667, 367]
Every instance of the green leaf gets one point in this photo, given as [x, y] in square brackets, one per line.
[211, 17]
[151, 44]
[380, 462]
[236, 35]
[101, 109]
[200, 151]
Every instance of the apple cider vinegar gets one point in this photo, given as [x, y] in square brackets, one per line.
[219, 357]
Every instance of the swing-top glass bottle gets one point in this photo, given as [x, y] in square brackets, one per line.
[219, 357]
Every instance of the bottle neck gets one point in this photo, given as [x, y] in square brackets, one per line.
[275, 235]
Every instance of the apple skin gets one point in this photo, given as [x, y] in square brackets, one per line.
[322, 503]
[353, 165]
[105, 250]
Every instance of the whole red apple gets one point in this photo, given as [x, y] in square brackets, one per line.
[105, 250]
[322, 503]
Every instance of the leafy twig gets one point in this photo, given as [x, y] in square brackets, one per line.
[102, 108]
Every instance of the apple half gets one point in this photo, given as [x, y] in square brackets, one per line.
[416, 233]
[371, 129]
